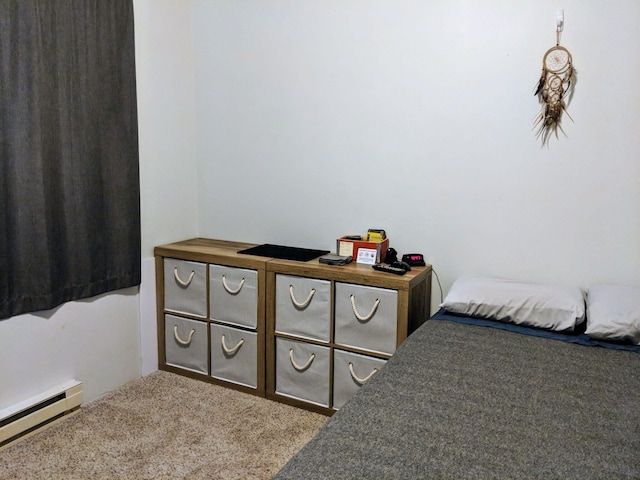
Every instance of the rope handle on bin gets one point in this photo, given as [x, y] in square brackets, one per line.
[364, 318]
[230, 351]
[180, 281]
[357, 378]
[230, 290]
[300, 368]
[304, 304]
[180, 340]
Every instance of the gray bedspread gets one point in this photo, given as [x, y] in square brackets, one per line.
[461, 401]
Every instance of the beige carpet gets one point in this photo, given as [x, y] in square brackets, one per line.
[166, 426]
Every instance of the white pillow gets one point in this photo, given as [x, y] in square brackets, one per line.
[613, 313]
[531, 304]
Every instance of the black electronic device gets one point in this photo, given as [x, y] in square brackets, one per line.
[389, 269]
[284, 252]
[414, 259]
[392, 256]
[335, 259]
[399, 264]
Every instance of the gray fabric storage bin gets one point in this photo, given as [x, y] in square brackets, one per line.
[186, 343]
[303, 307]
[350, 372]
[233, 295]
[185, 287]
[308, 379]
[376, 329]
[234, 358]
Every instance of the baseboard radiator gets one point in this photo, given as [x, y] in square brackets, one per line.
[32, 415]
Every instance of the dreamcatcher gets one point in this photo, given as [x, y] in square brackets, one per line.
[556, 85]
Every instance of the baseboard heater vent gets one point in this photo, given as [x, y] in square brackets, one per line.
[32, 415]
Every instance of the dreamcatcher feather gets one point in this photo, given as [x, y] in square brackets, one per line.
[554, 91]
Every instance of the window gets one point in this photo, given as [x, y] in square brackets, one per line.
[69, 179]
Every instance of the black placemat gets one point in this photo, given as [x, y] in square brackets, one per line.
[283, 252]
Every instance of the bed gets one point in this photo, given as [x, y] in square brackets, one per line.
[466, 398]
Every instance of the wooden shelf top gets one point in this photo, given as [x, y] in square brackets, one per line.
[351, 273]
[224, 251]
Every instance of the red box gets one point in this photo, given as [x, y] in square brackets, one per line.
[348, 246]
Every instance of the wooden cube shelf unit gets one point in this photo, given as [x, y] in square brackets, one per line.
[302, 333]
[330, 328]
[211, 315]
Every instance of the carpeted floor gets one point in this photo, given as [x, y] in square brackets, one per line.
[166, 426]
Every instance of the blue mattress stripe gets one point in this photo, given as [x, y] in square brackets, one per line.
[579, 338]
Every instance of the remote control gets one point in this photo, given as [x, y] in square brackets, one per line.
[389, 269]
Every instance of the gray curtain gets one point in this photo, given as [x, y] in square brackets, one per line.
[69, 181]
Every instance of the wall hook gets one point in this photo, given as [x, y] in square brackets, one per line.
[559, 25]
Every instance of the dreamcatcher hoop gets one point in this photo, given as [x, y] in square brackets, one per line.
[557, 59]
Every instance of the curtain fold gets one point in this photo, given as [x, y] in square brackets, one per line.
[69, 175]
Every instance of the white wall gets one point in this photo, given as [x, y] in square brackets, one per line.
[95, 341]
[318, 119]
[168, 148]
[166, 122]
